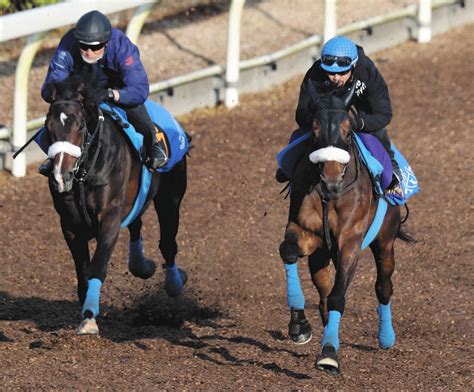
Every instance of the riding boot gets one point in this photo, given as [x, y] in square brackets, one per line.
[395, 187]
[46, 167]
[158, 156]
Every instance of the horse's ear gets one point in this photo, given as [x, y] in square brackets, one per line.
[52, 92]
[316, 127]
[81, 89]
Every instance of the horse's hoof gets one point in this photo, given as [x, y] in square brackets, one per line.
[299, 329]
[173, 285]
[143, 269]
[88, 326]
[327, 361]
[289, 252]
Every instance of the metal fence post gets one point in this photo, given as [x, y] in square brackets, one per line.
[137, 21]
[330, 18]
[233, 54]
[20, 104]
[424, 21]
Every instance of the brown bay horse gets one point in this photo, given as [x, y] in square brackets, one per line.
[332, 204]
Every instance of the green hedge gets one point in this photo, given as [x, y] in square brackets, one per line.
[11, 6]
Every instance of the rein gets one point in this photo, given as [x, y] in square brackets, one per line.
[81, 174]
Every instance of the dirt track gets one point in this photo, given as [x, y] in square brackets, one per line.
[228, 330]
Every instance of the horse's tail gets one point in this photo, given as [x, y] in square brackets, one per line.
[406, 237]
[402, 234]
[191, 146]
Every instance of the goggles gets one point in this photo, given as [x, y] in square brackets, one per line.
[94, 48]
[343, 61]
[339, 72]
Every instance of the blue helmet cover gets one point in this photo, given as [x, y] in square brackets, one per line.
[339, 47]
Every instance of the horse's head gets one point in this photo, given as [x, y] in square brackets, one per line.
[66, 124]
[332, 131]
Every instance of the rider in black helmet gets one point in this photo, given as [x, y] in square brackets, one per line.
[122, 78]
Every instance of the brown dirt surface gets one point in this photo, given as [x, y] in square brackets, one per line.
[228, 329]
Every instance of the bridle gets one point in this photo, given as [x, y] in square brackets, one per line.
[80, 172]
[351, 148]
[351, 151]
[84, 167]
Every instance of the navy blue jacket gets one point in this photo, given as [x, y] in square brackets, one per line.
[371, 97]
[120, 68]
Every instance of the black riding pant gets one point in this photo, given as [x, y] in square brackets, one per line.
[138, 116]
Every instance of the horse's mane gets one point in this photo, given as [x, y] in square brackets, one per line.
[80, 86]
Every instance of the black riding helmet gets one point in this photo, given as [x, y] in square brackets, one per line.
[93, 28]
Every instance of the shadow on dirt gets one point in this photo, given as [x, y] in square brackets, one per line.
[151, 317]
[47, 315]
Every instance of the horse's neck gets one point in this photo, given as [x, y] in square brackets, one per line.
[112, 150]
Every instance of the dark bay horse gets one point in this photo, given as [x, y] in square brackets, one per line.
[94, 184]
[332, 205]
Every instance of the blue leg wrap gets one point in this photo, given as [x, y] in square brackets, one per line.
[331, 330]
[173, 283]
[92, 298]
[295, 295]
[386, 332]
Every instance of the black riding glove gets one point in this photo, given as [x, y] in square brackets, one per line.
[100, 95]
[358, 123]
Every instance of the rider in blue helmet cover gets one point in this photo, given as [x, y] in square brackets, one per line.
[94, 43]
[341, 64]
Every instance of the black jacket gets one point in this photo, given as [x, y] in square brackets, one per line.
[371, 97]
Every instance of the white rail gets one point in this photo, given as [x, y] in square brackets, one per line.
[35, 23]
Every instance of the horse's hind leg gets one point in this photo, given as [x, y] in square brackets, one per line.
[385, 261]
[167, 202]
[138, 264]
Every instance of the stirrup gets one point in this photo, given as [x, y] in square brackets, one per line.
[395, 188]
[158, 156]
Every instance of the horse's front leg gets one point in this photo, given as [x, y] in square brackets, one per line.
[107, 235]
[297, 243]
[138, 264]
[79, 247]
[345, 267]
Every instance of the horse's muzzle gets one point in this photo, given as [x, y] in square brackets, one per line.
[62, 181]
[332, 190]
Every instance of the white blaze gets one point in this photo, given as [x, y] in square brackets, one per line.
[63, 118]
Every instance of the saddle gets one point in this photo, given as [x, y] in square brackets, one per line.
[175, 137]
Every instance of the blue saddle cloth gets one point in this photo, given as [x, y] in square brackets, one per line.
[176, 137]
[378, 162]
